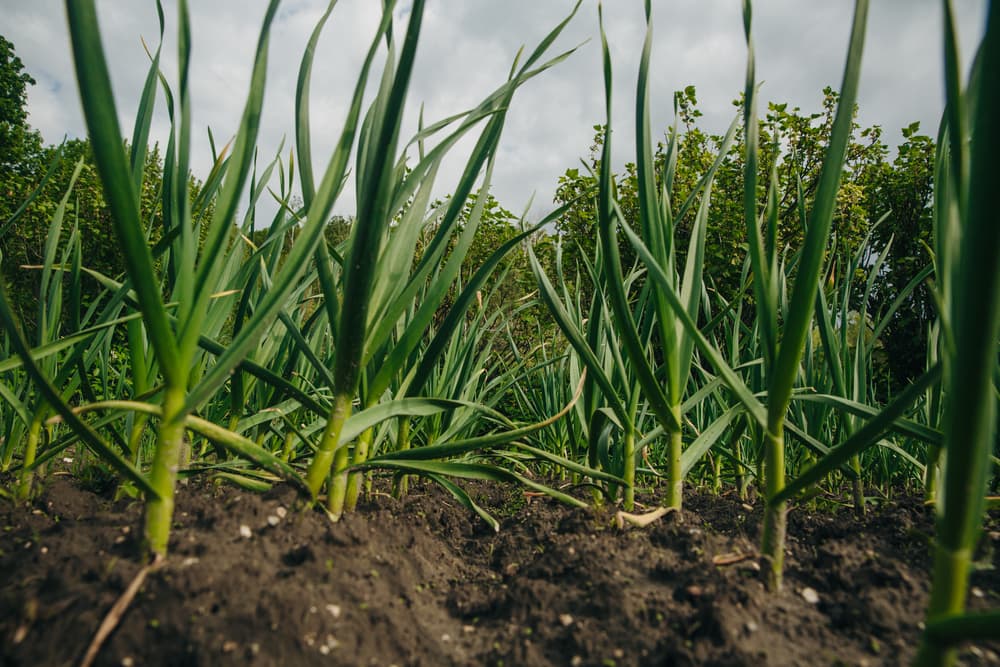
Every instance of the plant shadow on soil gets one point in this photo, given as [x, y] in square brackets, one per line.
[422, 581]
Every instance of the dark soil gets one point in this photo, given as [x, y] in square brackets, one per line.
[424, 582]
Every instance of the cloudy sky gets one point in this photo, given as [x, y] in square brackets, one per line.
[466, 50]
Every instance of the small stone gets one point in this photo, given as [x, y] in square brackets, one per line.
[128, 662]
[576, 661]
[810, 595]
[126, 529]
[976, 591]
[468, 629]
[618, 653]
[751, 626]
[694, 591]
[189, 561]
[120, 539]
[334, 610]
[446, 637]
[245, 531]
[254, 648]
[229, 646]
[324, 649]
[67, 459]
[273, 520]
[571, 551]
[566, 620]
[281, 512]
[44, 550]
[313, 610]
[748, 508]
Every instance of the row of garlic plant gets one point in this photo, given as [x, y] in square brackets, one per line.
[788, 292]
[355, 342]
[323, 344]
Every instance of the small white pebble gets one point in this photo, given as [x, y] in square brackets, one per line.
[810, 595]
[324, 649]
[752, 627]
[312, 610]
[468, 629]
[976, 591]
[27, 545]
[245, 531]
[576, 661]
[334, 610]
[120, 539]
[566, 620]
[446, 637]
[618, 653]
[45, 550]
[281, 512]
[229, 646]
[67, 459]
[273, 520]
[571, 551]
[128, 662]
[254, 648]
[189, 561]
[126, 529]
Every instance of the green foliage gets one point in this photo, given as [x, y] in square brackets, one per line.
[19, 144]
[23, 244]
[795, 142]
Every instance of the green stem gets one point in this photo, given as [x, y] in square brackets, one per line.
[337, 498]
[361, 450]
[628, 473]
[675, 471]
[776, 514]
[716, 475]
[931, 473]
[163, 475]
[858, 487]
[30, 452]
[319, 469]
[401, 485]
[135, 438]
[286, 448]
[951, 578]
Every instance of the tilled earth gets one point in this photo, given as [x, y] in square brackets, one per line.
[422, 581]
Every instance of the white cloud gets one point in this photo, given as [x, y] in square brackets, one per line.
[466, 50]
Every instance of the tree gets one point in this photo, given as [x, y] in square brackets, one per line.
[904, 190]
[23, 244]
[20, 146]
